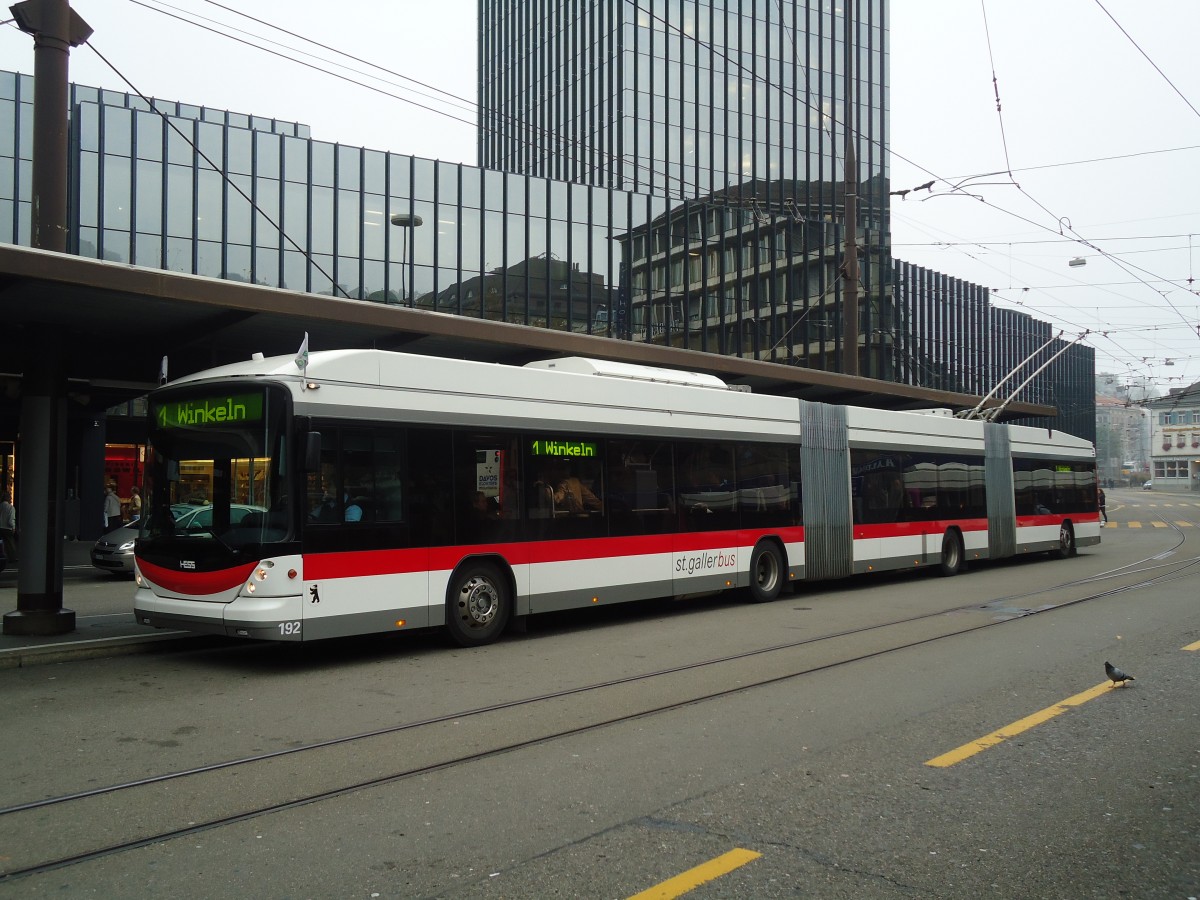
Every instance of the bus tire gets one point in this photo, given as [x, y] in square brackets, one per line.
[1066, 542]
[478, 604]
[766, 572]
[953, 558]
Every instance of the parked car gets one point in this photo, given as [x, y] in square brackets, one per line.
[1148, 486]
[114, 551]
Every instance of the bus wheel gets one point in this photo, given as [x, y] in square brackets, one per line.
[1066, 542]
[952, 554]
[766, 573]
[478, 606]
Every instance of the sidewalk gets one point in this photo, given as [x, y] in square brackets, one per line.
[100, 636]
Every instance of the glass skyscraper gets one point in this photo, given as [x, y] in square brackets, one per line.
[733, 115]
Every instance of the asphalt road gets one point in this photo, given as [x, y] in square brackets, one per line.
[603, 753]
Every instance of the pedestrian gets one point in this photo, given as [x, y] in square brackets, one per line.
[8, 526]
[135, 504]
[112, 508]
[1103, 511]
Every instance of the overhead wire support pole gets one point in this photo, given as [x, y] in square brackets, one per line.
[975, 413]
[850, 206]
[991, 414]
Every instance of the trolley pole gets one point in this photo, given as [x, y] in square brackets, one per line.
[56, 28]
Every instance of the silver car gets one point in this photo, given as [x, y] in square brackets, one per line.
[114, 551]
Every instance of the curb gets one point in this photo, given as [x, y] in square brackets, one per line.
[97, 648]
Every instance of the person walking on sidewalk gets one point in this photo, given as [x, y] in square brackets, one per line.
[112, 508]
[8, 526]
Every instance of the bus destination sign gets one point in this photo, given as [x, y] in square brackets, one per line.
[562, 448]
[201, 412]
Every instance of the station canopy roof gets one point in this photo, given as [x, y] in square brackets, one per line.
[115, 322]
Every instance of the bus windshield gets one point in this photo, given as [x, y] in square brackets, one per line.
[217, 468]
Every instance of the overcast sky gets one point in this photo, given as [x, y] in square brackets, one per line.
[1074, 89]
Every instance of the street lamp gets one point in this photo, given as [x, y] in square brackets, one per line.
[407, 221]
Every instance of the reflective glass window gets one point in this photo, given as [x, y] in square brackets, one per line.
[208, 259]
[375, 225]
[373, 281]
[349, 222]
[447, 233]
[179, 202]
[240, 159]
[493, 190]
[238, 211]
[266, 266]
[118, 131]
[374, 171]
[349, 172]
[516, 193]
[116, 246]
[295, 268]
[267, 217]
[472, 239]
[179, 254]
[89, 241]
[295, 217]
[348, 277]
[322, 163]
[423, 179]
[421, 247]
[148, 217]
[447, 175]
[179, 132]
[147, 250]
[149, 136]
[88, 116]
[237, 263]
[515, 236]
[321, 274]
[295, 159]
[399, 175]
[472, 187]
[267, 150]
[322, 220]
[211, 143]
[89, 189]
[493, 241]
[209, 208]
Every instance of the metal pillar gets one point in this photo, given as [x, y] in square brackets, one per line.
[42, 450]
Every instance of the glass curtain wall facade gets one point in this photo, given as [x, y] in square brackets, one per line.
[733, 112]
[725, 273]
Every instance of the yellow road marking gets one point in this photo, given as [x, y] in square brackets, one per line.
[1159, 524]
[1195, 646]
[1133, 524]
[693, 878]
[1016, 728]
[1184, 524]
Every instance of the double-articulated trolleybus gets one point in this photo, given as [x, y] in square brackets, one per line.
[381, 491]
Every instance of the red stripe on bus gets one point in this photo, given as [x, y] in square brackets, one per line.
[359, 563]
[916, 529]
[202, 583]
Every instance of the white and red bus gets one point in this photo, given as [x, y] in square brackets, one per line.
[380, 491]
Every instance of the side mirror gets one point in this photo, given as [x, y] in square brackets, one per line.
[312, 451]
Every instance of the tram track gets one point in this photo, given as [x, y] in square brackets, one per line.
[294, 777]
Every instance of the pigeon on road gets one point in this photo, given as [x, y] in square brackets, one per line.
[1116, 674]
